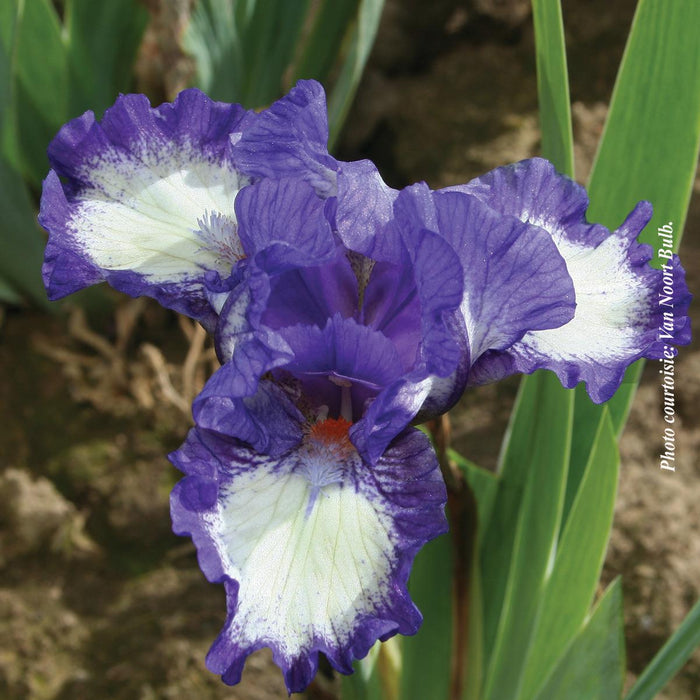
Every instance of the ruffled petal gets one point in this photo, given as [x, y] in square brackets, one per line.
[440, 288]
[265, 419]
[290, 139]
[341, 366]
[395, 407]
[619, 315]
[514, 279]
[392, 305]
[482, 281]
[364, 207]
[311, 295]
[148, 200]
[284, 222]
[314, 548]
[235, 401]
[533, 191]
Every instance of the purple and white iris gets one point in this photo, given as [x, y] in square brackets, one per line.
[343, 312]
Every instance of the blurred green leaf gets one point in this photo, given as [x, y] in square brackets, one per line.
[474, 661]
[426, 657]
[521, 538]
[101, 40]
[587, 424]
[321, 47]
[593, 666]
[9, 18]
[579, 560]
[8, 293]
[484, 485]
[40, 71]
[23, 246]
[269, 42]
[243, 49]
[213, 39]
[553, 85]
[358, 687]
[341, 97]
[684, 641]
[375, 676]
[649, 148]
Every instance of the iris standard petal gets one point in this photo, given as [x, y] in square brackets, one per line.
[311, 295]
[343, 365]
[290, 139]
[285, 224]
[364, 207]
[514, 279]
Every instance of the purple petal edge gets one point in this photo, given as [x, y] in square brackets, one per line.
[407, 476]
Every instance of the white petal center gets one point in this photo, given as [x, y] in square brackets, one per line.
[310, 553]
[612, 305]
[146, 213]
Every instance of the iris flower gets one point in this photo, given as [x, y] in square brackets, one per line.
[343, 312]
